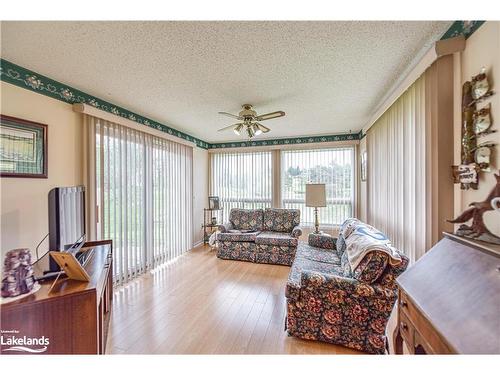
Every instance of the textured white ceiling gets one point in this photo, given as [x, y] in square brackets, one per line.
[327, 76]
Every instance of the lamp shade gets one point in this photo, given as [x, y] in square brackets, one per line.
[315, 195]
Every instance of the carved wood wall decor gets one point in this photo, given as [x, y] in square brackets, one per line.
[478, 230]
[476, 123]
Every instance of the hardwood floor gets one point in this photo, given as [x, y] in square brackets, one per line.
[200, 304]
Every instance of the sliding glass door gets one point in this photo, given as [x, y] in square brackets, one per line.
[144, 197]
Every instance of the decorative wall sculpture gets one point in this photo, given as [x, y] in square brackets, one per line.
[478, 230]
[476, 123]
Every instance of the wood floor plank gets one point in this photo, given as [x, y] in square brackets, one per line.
[199, 304]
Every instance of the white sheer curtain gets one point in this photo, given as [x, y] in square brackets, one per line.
[140, 190]
[334, 167]
[241, 179]
[397, 179]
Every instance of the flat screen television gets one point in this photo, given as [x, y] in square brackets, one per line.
[66, 220]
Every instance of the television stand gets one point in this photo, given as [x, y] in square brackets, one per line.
[74, 316]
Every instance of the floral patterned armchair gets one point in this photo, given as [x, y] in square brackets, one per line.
[262, 236]
[327, 301]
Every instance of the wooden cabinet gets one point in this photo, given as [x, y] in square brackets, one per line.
[449, 301]
[74, 316]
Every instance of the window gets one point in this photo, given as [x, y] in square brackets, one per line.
[245, 180]
[242, 180]
[333, 167]
[143, 194]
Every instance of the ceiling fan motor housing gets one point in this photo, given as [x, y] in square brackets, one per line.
[248, 113]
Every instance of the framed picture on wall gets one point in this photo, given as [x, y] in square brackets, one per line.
[23, 148]
[213, 203]
[363, 165]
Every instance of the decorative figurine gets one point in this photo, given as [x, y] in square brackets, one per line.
[482, 156]
[18, 273]
[480, 85]
[478, 229]
[482, 121]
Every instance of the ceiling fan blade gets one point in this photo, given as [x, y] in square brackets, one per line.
[264, 129]
[228, 127]
[231, 115]
[269, 116]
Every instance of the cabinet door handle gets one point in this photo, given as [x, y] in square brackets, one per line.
[404, 326]
[403, 303]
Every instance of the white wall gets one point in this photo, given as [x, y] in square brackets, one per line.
[200, 191]
[483, 49]
[23, 208]
[24, 216]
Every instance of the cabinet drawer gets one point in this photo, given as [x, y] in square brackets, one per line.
[406, 306]
[427, 335]
[407, 330]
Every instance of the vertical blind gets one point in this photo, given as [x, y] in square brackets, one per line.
[245, 180]
[143, 191]
[242, 180]
[397, 176]
[333, 167]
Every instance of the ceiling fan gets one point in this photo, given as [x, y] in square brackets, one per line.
[249, 121]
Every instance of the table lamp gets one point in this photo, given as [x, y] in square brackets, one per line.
[315, 197]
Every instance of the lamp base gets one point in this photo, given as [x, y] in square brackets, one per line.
[316, 221]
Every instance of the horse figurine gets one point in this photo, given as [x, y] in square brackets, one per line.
[478, 229]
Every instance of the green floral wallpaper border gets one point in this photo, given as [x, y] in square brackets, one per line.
[466, 28]
[25, 78]
[22, 77]
[288, 141]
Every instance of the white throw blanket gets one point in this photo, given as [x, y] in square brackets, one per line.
[362, 239]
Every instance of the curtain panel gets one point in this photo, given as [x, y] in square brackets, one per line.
[334, 167]
[139, 190]
[242, 179]
[277, 178]
[410, 153]
[396, 172]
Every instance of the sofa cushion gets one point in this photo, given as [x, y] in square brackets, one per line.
[311, 259]
[246, 219]
[275, 254]
[322, 240]
[281, 219]
[235, 235]
[236, 250]
[276, 239]
[371, 267]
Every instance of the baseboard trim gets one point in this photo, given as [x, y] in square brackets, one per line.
[197, 244]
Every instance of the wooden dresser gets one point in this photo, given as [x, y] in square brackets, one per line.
[74, 316]
[449, 301]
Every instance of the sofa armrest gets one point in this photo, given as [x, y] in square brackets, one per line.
[225, 227]
[319, 283]
[297, 232]
[322, 241]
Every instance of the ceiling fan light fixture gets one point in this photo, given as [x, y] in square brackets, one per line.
[249, 125]
[256, 129]
[250, 132]
[237, 129]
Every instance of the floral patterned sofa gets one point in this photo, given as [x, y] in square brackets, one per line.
[327, 301]
[261, 236]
